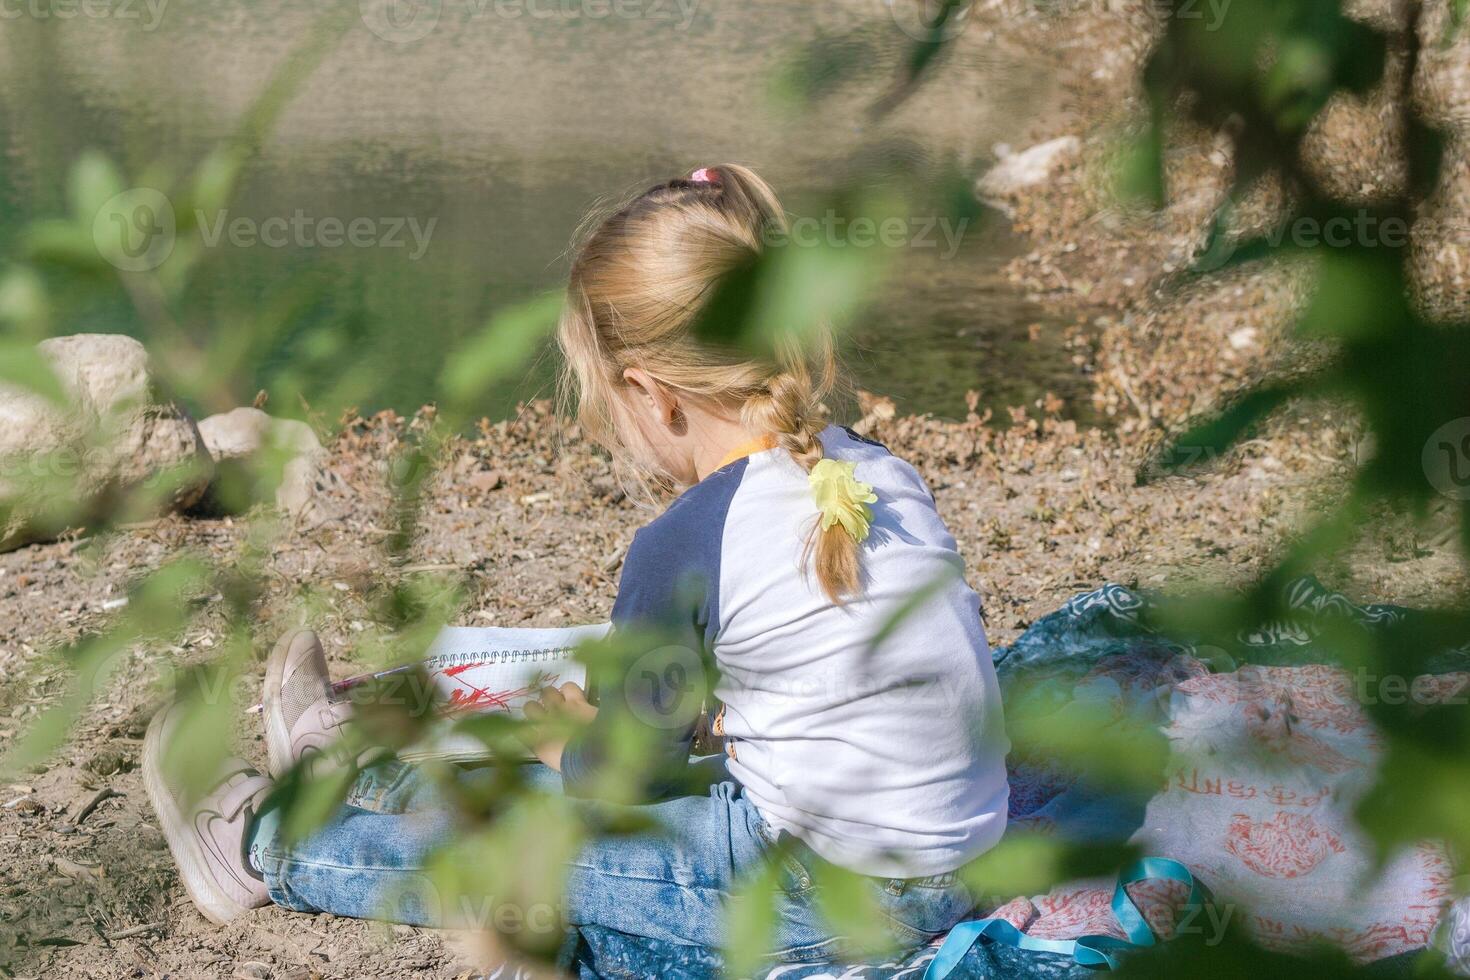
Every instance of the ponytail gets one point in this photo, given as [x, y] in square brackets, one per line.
[638, 283]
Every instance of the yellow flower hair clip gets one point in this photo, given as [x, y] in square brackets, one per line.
[841, 498]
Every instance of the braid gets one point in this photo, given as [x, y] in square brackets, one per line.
[793, 418]
[790, 409]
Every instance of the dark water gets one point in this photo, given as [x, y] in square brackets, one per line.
[493, 134]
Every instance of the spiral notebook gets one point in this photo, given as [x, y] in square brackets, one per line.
[488, 669]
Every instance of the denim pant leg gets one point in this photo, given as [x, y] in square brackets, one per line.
[671, 884]
[367, 860]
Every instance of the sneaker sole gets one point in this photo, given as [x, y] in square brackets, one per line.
[277, 735]
[216, 906]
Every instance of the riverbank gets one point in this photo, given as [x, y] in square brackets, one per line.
[529, 520]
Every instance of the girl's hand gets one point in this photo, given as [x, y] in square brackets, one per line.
[557, 710]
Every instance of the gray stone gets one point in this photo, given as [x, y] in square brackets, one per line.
[276, 459]
[63, 464]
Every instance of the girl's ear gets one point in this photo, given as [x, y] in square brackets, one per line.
[657, 398]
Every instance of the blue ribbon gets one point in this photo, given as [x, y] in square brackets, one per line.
[1093, 951]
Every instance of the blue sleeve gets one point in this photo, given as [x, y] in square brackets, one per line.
[664, 621]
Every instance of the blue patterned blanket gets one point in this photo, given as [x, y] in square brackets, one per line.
[1268, 747]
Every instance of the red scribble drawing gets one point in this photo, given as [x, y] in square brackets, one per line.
[468, 697]
[1288, 845]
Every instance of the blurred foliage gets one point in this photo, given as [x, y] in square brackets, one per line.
[1263, 78]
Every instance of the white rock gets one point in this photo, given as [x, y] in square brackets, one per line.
[113, 435]
[41, 447]
[108, 371]
[139, 436]
[1017, 171]
[1243, 338]
[250, 437]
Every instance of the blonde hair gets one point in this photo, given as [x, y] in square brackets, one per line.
[641, 280]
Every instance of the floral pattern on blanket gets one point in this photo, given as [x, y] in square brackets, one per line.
[1266, 762]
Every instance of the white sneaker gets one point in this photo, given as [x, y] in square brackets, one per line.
[301, 717]
[207, 837]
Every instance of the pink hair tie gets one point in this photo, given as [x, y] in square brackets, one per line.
[704, 175]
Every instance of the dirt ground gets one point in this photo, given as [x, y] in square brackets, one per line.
[532, 523]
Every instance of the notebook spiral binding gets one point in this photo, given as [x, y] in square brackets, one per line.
[530, 655]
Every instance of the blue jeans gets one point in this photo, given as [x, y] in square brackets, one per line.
[368, 861]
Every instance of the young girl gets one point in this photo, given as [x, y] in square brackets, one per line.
[860, 710]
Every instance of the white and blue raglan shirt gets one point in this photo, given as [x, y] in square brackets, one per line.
[870, 730]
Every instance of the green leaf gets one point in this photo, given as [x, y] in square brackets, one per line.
[215, 180]
[751, 919]
[63, 244]
[849, 903]
[93, 182]
[941, 29]
[204, 736]
[314, 45]
[803, 284]
[1140, 175]
[822, 67]
[25, 367]
[1084, 736]
[24, 301]
[1209, 440]
[1021, 864]
[932, 30]
[1298, 82]
[508, 876]
[308, 801]
[497, 353]
[45, 735]
[1029, 863]
[1359, 293]
[498, 732]
[155, 609]
[1419, 795]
